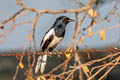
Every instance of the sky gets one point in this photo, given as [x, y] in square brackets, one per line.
[18, 37]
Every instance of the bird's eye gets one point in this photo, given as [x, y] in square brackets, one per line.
[65, 20]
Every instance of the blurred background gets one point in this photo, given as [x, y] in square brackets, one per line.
[16, 39]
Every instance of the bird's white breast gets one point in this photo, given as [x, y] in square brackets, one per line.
[55, 41]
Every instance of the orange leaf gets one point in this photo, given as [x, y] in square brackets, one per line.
[102, 34]
[93, 13]
[81, 40]
[41, 78]
[52, 78]
[21, 65]
[90, 31]
[94, 23]
[85, 68]
[68, 52]
[29, 37]
[90, 12]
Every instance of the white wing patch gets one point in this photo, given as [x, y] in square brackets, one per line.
[51, 32]
[47, 35]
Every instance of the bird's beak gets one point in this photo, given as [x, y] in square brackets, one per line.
[71, 20]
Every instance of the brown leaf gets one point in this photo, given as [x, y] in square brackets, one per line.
[90, 31]
[102, 34]
[21, 65]
[29, 37]
[93, 13]
[81, 40]
[90, 12]
[68, 52]
[85, 68]
[94, 23]
[41, 78]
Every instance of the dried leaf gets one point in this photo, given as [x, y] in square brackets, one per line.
[29, 37]
[90, 12]
[21, 65]
[41, 78]
[52, 78]
[93, 13]
[81, 40]
[94, 23]
[102, 34]
[85, 68]
[90, 31]
[68, 52]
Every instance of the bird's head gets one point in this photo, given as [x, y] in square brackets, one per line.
[64, 20]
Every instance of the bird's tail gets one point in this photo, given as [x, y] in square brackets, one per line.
[41, 63]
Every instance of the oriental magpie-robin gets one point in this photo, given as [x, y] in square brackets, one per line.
[51, 39]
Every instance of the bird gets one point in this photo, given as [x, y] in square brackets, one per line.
[51, 40]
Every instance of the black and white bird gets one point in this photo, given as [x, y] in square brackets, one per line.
[51, 39]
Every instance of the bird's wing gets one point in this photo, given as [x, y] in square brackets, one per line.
[47, 39]
[42, 59]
